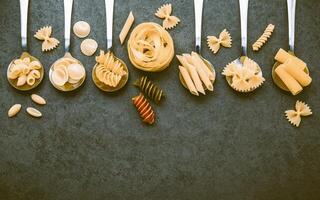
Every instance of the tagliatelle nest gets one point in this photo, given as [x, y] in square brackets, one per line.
[49, 43]
[150, 47]
[244, 78]
[164, 12]
[215, 43]
[294, 116]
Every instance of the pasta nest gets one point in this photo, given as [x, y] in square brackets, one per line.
[215, 43]
[244, 78]
[164, 12]
[25, 70]
[294, 116]
[150, 47]
[109, 69]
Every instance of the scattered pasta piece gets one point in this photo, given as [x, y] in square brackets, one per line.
[144, 108]
[149, 89]
[126, 27]
[244, 78]
[164, 12]
[67, 70]
[109, 70]
[197, 76]
[150, 47]
[224, 39]
[88, 47]
[25, 71]
[14, 110]
[34, 112]
[49, 43]
[294, 116]
[81, 29]
[263, 38]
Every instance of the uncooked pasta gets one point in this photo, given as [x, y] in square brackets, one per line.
[144, 108]
[149, 89]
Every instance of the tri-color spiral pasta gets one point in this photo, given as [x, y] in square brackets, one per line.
[149, 89]
[263, 38]
[144, 108]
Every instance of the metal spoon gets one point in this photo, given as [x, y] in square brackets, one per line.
[198, 8]
[67, 30]
[244, 29]
[291, 6]
[109, 4]
[24, 5]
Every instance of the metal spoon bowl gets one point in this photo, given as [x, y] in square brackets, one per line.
[229, 79]
[107, 88]
[67, 86]
[210, 67]
[25, 87]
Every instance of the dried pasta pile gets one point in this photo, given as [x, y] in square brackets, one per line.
[67, 71]
[25, 71]
[150, 47]
[291, 72]
[109, 70]
[244, 78]
[195, 73]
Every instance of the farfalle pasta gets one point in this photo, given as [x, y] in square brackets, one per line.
[144, 108]
[164, 12]
[263, 38]
[149, 89]
[215, 43]
[25, 71]
[294, 116]
[244, 78]
[109, 70]
[49, 43]
[150, 47]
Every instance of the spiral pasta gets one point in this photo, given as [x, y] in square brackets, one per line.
[149, 89]
[144, 108]
[263, 38]
[109, 70]
[150, 47]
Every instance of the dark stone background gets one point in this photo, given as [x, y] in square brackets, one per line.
[92, 145]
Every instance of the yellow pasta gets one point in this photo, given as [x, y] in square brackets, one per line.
[303, 78]
[150, 47]
[224, 39]
[244, 78]
[294, 116]
[25, 71]
[263, 38]
[126, 27]
[164, 12]
[44, 34]
[109, 70]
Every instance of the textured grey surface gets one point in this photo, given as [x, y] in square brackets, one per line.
[92, 145]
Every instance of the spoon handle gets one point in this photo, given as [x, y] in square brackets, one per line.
[198, 8]
[109, 21]
[244, 25]
[291, 5]
[24, 4]
[67, 23]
